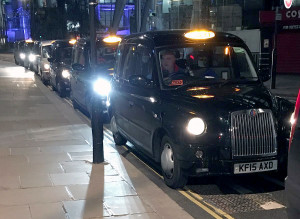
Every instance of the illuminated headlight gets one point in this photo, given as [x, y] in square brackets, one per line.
[31, 58]
[65, 74]
[22, 56]
[196, 126]
[46, 66]
[292, 119]
[102, 87]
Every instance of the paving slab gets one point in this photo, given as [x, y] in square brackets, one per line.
[33, 195]
[48, 211]
[15, 212]
[86, 209]
[32, 180]
[69, 178]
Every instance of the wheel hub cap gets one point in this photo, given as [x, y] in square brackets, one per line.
[167, 160]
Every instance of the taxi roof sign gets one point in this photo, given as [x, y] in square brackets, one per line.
[199, 34]
[29, 41]
[112, 39]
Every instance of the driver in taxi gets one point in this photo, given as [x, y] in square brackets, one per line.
[168, 64]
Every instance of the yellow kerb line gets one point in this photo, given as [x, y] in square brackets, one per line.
[192, 199]
[219, 211]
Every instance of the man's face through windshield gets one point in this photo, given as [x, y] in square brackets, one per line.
[168, 62]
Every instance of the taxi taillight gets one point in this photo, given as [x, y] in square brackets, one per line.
[296, 115]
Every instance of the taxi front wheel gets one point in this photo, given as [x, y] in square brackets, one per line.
[172, 171]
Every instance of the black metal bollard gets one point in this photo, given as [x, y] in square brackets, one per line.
[97, 129]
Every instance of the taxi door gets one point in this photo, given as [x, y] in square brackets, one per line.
[143, 98]
[79, 74]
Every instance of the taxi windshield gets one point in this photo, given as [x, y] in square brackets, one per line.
[105, 57]
[188, 65]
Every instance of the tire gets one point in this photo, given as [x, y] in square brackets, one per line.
[119, 139]
[74, 103]
[60, 91]
[170, 165]
[45, 82]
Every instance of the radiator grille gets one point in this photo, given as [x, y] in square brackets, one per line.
[253, 133]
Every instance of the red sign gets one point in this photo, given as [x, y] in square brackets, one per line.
[288, 3]
[176, 82]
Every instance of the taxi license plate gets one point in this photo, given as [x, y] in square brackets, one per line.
[255, 167]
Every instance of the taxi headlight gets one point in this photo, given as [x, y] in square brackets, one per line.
[66, 74]
[46, 66]
[196, 126]
[102, 87]
[292, 119]
[22, 56]
[31, 58]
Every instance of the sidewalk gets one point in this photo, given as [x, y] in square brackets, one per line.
[287, 86]
[45, 162]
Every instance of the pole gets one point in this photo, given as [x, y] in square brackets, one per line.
[92, 33]
[97, 118]
[274, 52]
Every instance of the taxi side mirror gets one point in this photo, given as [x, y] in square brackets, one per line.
[50, 59]
[264, 74]
[139, 80]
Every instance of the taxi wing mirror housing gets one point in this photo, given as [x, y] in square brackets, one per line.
[264, 74]
[140, 81]
[77, 67]
[50, 59]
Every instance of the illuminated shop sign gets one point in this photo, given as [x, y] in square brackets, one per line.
[288, 3]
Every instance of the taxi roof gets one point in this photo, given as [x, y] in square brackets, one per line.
[173, 37]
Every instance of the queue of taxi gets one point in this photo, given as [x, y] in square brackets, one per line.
[193, 101]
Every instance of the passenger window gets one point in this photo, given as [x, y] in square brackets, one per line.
[78, 56]
[81, 58]
[144, 65]
[130, 63]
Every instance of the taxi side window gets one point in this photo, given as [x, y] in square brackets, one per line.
[78, 56]
[45, 53]
[144, 65]
[130, 63]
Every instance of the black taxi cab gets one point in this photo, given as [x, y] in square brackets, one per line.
[195, 102]
[86, 82]
[60, 66]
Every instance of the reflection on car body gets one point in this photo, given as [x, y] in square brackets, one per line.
[197, 106]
